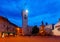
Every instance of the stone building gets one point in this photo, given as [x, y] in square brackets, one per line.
[48, 29]
[24, 22]
[56, 30]
[6, 26]
[30, 30]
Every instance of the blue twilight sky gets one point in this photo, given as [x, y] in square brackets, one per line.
[46, 10]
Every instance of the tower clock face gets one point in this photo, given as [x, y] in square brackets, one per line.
[25, 17]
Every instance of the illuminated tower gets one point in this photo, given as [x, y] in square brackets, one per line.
[24, 22]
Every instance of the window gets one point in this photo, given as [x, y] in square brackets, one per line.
[25, 17]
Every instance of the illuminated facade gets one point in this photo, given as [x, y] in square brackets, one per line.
[56, 30]
[42, 29]
[19, 31]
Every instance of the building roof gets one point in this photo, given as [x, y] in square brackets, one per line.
[57, 24]
[4, 19]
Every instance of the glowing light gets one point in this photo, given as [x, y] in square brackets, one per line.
[26, 11]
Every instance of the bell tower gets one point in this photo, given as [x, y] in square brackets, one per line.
[24, 22]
